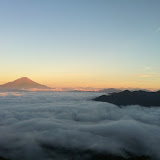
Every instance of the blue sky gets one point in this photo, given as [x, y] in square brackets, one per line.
[96, 43]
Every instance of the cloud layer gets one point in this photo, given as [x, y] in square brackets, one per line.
[45, 125]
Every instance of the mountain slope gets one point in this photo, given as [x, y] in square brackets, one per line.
[22, 84]
[127, 97]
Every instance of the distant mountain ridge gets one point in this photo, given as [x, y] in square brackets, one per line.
[23, 83]
[109, 90]
[127, 97]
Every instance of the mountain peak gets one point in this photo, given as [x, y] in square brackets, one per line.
[22, 84]
[24, 79]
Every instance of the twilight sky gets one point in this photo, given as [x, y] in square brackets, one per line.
[81, 43]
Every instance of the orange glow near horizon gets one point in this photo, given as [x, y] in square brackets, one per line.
[108, 45]
[87, 81]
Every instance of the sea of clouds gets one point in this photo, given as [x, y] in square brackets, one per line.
[63, 125]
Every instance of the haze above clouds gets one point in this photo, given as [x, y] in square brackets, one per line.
[43, 125]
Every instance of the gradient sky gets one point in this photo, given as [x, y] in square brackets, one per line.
[81, 43]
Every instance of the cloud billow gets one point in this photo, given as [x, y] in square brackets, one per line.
[60, 125]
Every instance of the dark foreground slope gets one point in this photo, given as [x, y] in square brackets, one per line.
[2, 158]
[127, 97]
[76, 154]
[104, 157]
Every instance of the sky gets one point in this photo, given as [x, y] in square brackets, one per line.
[81, 43]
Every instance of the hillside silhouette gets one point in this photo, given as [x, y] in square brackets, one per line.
[127, 97]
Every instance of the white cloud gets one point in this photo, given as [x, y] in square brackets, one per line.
[73, 122]
[148, 68]
[144, 76]
[157, 29]
[11, 94]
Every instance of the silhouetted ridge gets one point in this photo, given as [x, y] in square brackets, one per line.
[110, 90]
[127, 97]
